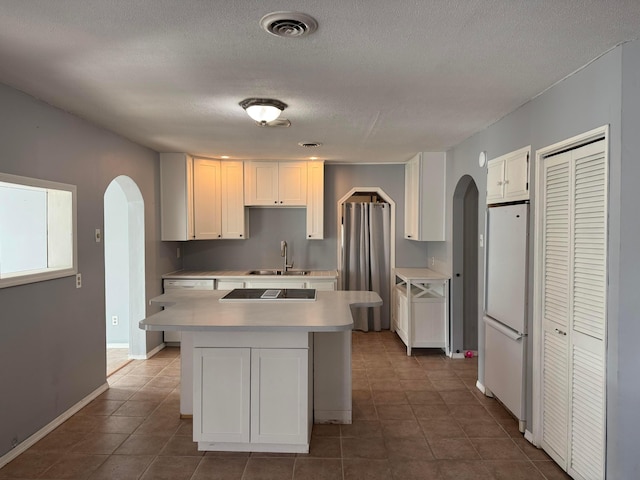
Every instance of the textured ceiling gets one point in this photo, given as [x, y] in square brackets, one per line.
[378, 81]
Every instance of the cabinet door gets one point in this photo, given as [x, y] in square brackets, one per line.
[495, 180]
[292, 183]
[232, 193]
[206, 199]
[431, 203]
[229, 284]
[275, 284]
[516, 182]
[411, 199]
[322, 284]
[315, 201]
[261, 183]
[221, 403]
[280, 396]
[176, 196]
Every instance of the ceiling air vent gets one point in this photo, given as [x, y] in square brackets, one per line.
[309, 144]
[289, 24]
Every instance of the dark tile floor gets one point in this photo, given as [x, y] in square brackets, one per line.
[417, 417]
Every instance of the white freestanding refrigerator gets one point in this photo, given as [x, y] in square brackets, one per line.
[505, 314]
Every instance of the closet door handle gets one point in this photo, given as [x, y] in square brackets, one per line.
[561, 332]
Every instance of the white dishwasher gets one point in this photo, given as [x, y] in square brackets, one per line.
[172, 338]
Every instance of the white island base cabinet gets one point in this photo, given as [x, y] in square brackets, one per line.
[253, 391]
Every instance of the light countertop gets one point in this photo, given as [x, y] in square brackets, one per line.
[419, 274]
[244, 274]
[202, 311]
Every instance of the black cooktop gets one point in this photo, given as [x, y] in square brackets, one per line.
[247, 294]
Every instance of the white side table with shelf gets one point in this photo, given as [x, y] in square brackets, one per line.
[420, 308]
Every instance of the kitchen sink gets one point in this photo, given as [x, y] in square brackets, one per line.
[278, 272]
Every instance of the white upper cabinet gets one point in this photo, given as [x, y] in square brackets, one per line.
[424, 180]
[271, 184]
[234, 219]
[508, 177]
[201, 199]
[315, 200]
[207, 214]
[176, 196]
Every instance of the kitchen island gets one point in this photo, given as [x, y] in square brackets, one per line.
[253, 364]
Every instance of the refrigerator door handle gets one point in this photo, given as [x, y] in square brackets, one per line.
[512, 334]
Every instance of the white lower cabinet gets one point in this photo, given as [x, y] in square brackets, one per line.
[279, 395]
[420, 321]
[275, 284]
[229, 284]
[252, 399]
[222, 397]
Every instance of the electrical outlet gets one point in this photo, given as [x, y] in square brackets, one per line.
[481, 240]
[433, 261]
[114, 320]
[78, 280]
[98, 236]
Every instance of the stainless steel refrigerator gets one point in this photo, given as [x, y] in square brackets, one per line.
[505, 314]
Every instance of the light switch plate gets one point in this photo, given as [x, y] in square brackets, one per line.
[78, 280]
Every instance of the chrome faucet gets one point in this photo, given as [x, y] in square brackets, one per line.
[283, 253]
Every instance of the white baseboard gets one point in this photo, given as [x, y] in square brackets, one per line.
[483, 389]
[55, 423]
[149, 354]
[528, 436]
[342, 417]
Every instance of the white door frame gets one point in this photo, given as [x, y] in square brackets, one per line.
[535, 436]
[392, 254]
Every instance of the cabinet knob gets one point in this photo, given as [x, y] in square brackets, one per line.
[506, 181]
[240, 234]
[219, 235]
[457, 274]
[408, 236]
[309, 236]
[498, 183]
[280, 201]
[275, 201]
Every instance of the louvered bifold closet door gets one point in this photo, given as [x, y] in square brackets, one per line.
[574, 265]
[588, 326]
[556, 304]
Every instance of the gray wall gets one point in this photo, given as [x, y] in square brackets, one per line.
[589, 99]
[52, 340]
[624, 301]
[270, 225]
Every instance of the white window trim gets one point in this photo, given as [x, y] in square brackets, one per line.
[25, 277]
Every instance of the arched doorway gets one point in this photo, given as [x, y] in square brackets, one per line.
[464, 287]
[124, 268]
[369, 194]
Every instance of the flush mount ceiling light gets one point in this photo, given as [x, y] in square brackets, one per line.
[263, 110]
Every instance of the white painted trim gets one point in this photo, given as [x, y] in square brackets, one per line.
[536, 336]
[117, 345]
[341, 417]
[55, 423]
[481, 387]
[149, 354]
[528, 436]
